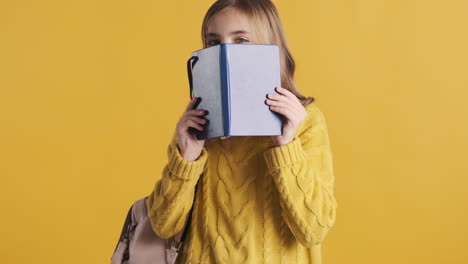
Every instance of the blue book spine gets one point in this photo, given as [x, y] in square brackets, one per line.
[225, 93]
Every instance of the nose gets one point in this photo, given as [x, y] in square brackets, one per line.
[227, 40]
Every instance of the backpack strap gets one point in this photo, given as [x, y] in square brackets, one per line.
[174, 244]
[125, 236]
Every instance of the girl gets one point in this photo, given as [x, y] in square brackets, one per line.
[259, 199]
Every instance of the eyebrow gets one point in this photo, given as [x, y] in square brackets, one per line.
[212, 34]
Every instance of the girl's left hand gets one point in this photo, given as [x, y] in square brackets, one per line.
[292, 111]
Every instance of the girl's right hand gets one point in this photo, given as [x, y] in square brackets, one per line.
[189, 146]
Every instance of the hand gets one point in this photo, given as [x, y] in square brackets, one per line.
[292, 111]
[189, 146]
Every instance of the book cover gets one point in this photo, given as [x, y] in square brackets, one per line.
[232, 81]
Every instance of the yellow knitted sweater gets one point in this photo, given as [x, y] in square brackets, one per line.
[255, 203]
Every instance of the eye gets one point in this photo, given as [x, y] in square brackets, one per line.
[242, 40]
[213, 42]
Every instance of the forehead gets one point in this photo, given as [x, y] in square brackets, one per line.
[229, 20]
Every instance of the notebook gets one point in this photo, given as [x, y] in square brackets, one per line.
[232, 81]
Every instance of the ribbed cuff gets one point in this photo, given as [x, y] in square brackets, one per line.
[285, 155]
[185, 169]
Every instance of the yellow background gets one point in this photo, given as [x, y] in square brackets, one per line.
[90, 92]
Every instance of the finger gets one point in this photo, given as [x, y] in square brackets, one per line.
[277, 103]
[282, 110]
[195, 112]
[277, 97]
[286, 92]
[293, 104]
[284, 98]
[197, 120]
[191, 103]
[191, 123]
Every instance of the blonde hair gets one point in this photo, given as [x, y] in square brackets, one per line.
[268, 29]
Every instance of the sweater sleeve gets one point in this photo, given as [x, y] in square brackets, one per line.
[172, 196]
[303, 174]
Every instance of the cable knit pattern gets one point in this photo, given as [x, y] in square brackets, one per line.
[268, 217]
[256, 203]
